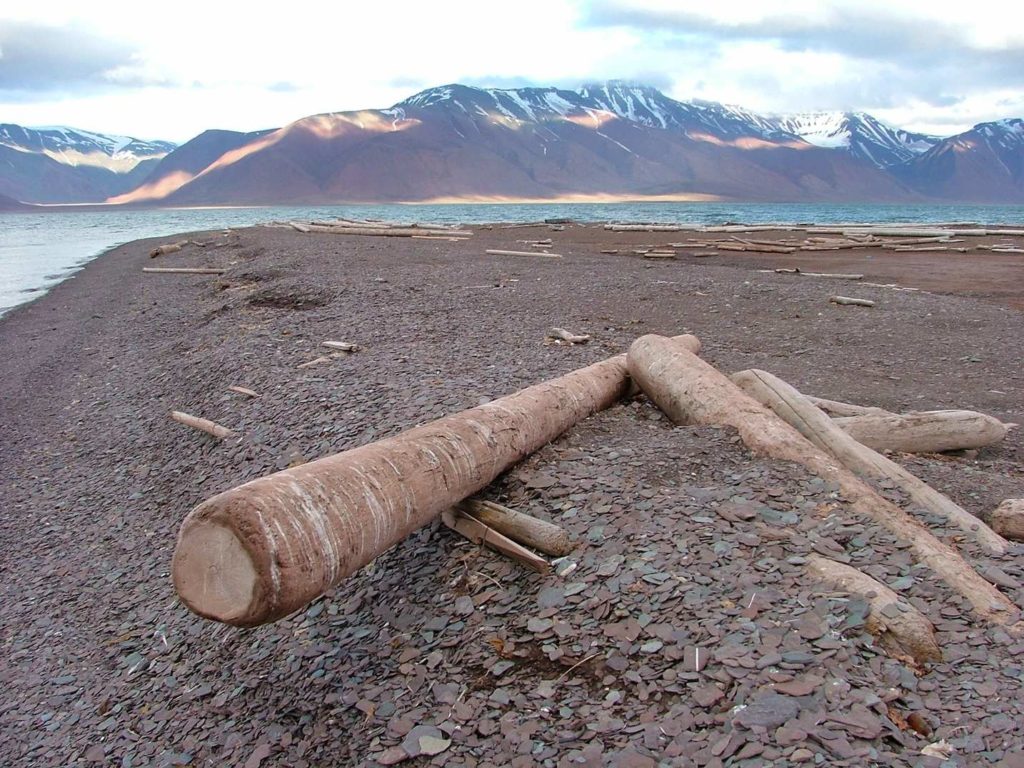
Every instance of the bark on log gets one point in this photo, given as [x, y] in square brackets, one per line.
[1008, 519]
[846, 300]
[901, 629]
[689, 390]
[543, 536]
[924, 431]
[815, 425]
[203, 425]
[499, 252]
[257, 552]
[480, 533]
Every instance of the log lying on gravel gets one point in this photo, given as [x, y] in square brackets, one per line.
[341, 346]
[184, 270]
[924, 431]
[689, 390]
[543, 536]
[846, 300]
[385, 231]
[203, 425]
[1008, 519]
[815, 425]
[901, 629]
[257, 552]
[479, 533]
[242, 391]
[561, 334]
[500, 252]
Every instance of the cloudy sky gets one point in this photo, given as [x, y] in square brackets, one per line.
[171, 70]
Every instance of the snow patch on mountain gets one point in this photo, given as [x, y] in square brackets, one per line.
[74, 147]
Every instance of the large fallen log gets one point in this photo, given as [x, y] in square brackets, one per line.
[815, 425]
[900, 628]
[689, 390]
[257, 552]
[923, 431]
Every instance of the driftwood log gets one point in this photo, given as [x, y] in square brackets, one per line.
[901, 629]
[923, 431]
[500, 252]
[560, 334]
[1008, 519]
[480, 533]
[543, 536]
[203, 425]
[184, 270]
[242, 391]
[257, 552]
[837, 408]
[163, 250]
[815, 425]
[849, 301]
[689, 390]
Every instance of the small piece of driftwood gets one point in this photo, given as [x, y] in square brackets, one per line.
[500, 252]
[543, 536]
[560, 334]
[478, 533]
[242, 391]
[203, 425]
[847, 301]
[901, 629]
[184, 270]
[341, 346]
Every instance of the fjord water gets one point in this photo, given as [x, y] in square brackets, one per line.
[38, 250]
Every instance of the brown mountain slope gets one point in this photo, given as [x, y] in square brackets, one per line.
[423, 153]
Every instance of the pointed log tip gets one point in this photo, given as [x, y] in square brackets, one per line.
[214, 574]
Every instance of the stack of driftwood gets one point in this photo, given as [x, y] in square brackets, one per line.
[258, 552]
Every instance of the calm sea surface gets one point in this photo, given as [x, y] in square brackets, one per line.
[38, 250]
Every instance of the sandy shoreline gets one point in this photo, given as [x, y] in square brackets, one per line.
[103, 665]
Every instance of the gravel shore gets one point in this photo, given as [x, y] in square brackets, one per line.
[687, 634]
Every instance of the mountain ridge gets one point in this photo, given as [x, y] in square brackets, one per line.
[615, 139]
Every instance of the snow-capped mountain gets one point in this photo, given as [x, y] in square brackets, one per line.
[985, 164]
[72, 146]
[858, 133]
[67, 165]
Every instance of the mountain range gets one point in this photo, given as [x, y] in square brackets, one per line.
[615, 139]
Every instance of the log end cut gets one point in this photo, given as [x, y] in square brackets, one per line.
[214, 573]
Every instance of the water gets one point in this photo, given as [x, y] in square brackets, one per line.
[38, 250]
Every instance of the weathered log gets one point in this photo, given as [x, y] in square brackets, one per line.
[499, 252]
[258, 552]
[846, 300]
[754, 248]
[833, 275]
[837, 408]
[815, 425]
[563, 335]
[1008, 519]
[480, 533]
[901, 629]
[203, 425]
[299, 227]
[543, 536]
[924, 431]
[689, 390]
[341, 346]
[385, 231]
[242, 391]
[184, 270]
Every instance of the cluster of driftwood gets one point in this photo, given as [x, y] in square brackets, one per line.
[900, 239]
[378, 229]
[258, 552]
